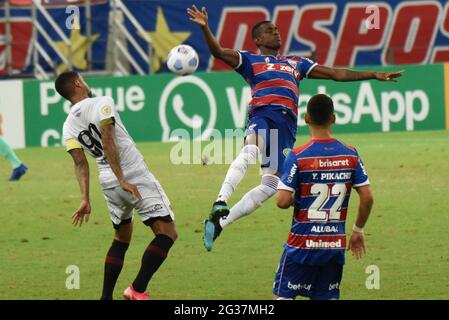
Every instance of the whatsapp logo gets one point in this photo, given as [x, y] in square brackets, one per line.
[187, 104]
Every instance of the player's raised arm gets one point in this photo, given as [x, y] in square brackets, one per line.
[337, 74]
[107, 130]
[82, 174]
[357, 240]
[229, 56]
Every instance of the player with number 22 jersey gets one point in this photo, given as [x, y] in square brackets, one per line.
[317, 181]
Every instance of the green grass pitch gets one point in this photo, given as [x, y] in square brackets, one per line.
[407, 234]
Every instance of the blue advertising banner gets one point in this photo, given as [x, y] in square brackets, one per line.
[335, 33]
[338, 33]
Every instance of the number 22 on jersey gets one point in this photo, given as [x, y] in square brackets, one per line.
[323, 192]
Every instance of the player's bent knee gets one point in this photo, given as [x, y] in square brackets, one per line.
[268, 170]
[254, 139]
[171, 233]
[123, 231]
[247, 156]
[251, 150]
[162, 225]
[123, 239]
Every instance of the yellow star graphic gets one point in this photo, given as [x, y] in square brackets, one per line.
[163, 40]
[80, 45]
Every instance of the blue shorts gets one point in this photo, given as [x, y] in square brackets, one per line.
[278, 129]
[315, 282]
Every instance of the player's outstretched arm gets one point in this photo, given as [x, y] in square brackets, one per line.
[284, 199]
[229, 56]
[113, 158]
[337, 74]
[82, 174]
[357, 240]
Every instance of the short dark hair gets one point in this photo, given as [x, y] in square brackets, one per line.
[320, 109]
[256, 29]
[64, 83]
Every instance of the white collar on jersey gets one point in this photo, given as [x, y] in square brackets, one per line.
[270, 55]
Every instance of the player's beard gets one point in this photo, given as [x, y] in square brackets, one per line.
[274, 46]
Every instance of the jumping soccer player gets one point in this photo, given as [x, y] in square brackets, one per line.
[272, 118]
[18, 168]
[93, 125]
[317, 180]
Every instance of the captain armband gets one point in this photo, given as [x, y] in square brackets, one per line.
[72, 144]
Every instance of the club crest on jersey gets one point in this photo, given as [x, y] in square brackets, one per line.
[251, 127]
[267, 60]
[106, 110]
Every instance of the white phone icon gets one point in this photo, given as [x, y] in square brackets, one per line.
[195, 122]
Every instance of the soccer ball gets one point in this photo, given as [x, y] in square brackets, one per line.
[182, 60]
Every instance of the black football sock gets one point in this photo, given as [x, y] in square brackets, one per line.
[152, 259]
[112, 267]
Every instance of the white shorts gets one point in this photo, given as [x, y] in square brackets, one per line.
[154, 201]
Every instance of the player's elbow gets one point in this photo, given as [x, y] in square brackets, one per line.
[218, 53]
[79, 159]
[283, 205]
[338, 75]
[108, 143]
[107, 146]
[284, 199]
[283, 202]
[81, 162]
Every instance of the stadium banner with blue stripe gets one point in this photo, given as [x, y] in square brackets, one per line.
[335, 33]
[164, 107]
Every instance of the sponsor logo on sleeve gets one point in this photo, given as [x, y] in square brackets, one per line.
[293, 170]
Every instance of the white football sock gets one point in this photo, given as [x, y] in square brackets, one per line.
[248, 155]
[252, 199]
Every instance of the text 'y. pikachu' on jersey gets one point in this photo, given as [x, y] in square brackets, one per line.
[322, 174]
[274, 80]
[82, 130]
